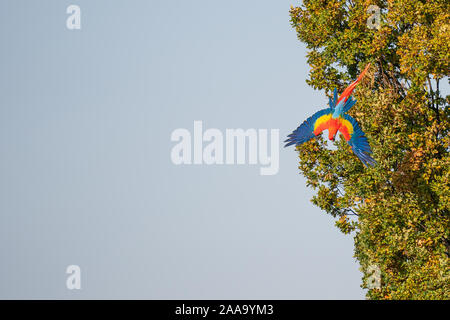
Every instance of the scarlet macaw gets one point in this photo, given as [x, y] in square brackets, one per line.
[334, 119]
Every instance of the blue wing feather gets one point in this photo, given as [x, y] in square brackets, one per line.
[348, 104]
[332, 101]
[305, 131]
[358, 142]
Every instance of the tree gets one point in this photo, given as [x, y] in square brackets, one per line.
[398, 210]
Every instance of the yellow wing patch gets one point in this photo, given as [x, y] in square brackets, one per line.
[346, 128]
[322, 120]
[347, 124]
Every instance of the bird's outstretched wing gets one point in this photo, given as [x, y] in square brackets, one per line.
[305, 131]
[356, 139]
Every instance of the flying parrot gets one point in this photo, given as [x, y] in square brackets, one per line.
[335, 119]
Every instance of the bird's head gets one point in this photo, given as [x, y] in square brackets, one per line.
[332, 133]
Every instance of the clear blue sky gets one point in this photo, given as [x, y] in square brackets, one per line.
[86, 175]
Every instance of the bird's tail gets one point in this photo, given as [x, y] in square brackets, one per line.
[347, 92]
[363, 72]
